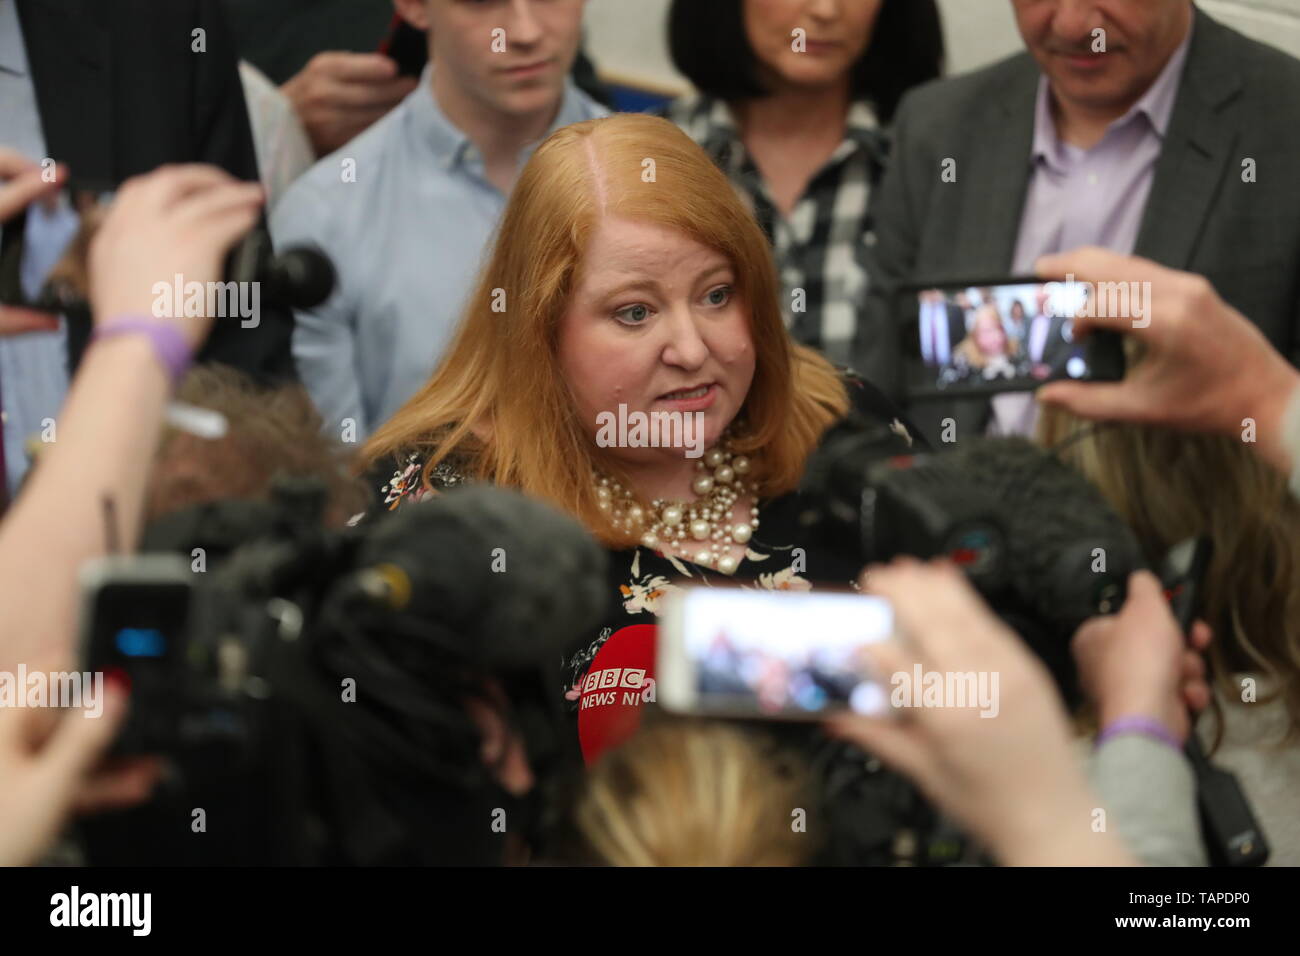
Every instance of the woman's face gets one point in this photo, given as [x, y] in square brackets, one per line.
[989, 335]
[834, 35]
[655, 324]
[1018, 311]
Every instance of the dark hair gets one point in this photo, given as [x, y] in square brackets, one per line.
[708, 44]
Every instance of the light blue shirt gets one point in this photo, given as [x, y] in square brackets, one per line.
[406, 237]
[33, 366]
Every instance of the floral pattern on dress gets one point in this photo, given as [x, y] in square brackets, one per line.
[786, 580]
[406, 484]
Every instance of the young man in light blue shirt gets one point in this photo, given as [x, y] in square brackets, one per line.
[406, 209]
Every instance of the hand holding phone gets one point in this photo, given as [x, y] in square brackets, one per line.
[1011, 778]
[787, 656]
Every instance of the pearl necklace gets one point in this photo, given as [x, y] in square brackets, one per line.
[702, 531]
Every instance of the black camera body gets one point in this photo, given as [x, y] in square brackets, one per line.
[313, 685]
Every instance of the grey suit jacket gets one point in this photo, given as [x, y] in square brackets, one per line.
[1237, 101]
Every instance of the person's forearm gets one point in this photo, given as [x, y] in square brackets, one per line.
[105, 441]
[1149, 791]
[1065, 836]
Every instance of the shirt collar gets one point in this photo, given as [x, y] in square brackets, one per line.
[713, 126]
[13, 55]
[863, 128]
[1156, 104]
[451, 147]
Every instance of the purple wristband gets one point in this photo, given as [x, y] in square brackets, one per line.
[1147, 726]
[169, 344]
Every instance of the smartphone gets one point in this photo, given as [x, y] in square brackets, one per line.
[406, 46]
[985, 337]
[732, 652]
[135, 617]
[44, 249]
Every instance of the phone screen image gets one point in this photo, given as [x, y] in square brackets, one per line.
[991, 338]
[774, 654]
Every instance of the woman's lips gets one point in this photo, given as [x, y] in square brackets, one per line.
[695, 403]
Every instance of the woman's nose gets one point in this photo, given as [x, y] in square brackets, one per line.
[684, 346]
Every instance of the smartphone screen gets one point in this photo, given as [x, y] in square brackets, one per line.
[734, 652]
[49, 243]
[987, 338]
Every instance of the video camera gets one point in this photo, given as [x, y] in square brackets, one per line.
[1040, 544]
[327, 672]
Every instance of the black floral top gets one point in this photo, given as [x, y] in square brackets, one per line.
[781, 555]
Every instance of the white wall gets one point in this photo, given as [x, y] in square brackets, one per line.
[627, 38]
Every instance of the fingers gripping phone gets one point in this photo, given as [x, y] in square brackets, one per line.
[732, 652]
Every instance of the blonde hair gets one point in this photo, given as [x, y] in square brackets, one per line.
[498, 402]
[970, 349]
[1169, 486]
[691, 794]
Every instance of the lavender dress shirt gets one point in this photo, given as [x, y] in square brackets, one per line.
[1092, 197]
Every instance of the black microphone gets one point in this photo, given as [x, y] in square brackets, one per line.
[514, 578]
[299, 277]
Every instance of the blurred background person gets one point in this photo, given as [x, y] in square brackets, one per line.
[792, 99]
[987, 353]
[109, 91]
[340, 65]
[690, 793]
[942, 327]
[1016, 322]
[1137, 147]
[406, 210]
[1169, 487]
[967, 306]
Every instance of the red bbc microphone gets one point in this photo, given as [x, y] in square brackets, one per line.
[616, 689]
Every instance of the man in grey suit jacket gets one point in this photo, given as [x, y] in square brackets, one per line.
[1143, 126]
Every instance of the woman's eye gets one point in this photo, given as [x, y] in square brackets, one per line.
[719, 296]
[633, 314]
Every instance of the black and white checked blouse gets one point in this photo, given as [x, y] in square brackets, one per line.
[819, 248]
